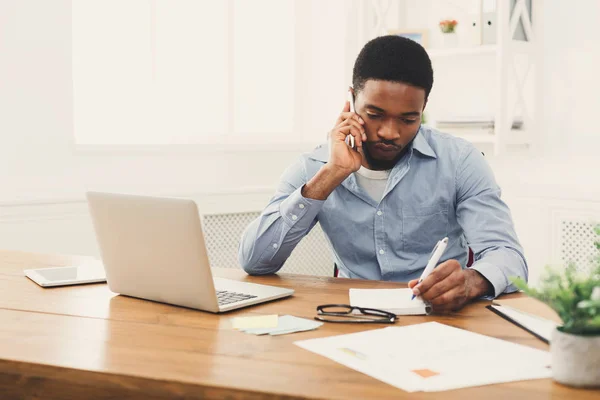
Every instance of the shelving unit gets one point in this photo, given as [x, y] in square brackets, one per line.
[503, 74]
[510, 62]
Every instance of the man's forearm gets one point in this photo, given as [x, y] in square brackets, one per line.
[324, 182]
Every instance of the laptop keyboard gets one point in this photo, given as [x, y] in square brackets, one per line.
[225, 297]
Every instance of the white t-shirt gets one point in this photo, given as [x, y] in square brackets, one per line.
[373, 182]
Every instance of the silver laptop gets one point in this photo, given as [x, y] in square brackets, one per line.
[153, 248]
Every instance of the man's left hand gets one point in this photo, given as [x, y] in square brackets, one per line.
[449, 287]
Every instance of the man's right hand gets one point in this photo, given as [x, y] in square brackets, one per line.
[343, 160]
[342, 157]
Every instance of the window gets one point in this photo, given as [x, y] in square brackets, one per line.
[160, 72]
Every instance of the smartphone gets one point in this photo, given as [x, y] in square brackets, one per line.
[350, 139]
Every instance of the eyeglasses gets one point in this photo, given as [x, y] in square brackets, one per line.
[345, 314]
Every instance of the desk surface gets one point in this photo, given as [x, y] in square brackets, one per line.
[84, 341]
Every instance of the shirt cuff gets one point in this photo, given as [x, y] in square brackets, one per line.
[494, 275]
[298, 211]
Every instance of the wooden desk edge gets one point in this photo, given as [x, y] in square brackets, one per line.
[20, 380]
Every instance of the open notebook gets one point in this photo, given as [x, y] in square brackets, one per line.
[397, 301]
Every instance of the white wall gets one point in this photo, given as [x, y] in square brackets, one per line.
[35, 99]
[39, 161]
[571, 65]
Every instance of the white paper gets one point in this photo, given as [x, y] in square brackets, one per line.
[397, 301]
[541, 326]
[458, 358]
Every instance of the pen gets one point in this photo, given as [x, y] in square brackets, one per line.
[437, 252]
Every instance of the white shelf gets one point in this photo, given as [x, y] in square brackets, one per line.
[473, 135]
[462, 51]
[515, 136]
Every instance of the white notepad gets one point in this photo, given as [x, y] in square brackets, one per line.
[397, 301]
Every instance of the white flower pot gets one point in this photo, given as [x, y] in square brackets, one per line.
[450, 40]
[575, 359]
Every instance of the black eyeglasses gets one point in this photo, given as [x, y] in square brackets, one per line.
[345, 314]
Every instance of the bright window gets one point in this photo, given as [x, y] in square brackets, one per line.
[160, 72]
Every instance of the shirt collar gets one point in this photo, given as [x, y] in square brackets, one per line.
[320, 153]
[421, 145]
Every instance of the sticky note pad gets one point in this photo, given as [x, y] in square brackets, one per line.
[291, 324]
[258, 322]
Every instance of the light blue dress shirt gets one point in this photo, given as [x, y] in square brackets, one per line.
[441, 187]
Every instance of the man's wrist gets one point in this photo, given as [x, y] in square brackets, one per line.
[480, 286]
[324, 182]
[336, 173]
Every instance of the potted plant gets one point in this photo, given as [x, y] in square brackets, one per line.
[448, 25]
[448, 28]
[575, 345]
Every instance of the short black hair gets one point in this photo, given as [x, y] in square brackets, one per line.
[393, 58]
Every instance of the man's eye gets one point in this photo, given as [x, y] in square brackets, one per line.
[409, 121]
[373, 116]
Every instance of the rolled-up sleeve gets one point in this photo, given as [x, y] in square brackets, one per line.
[269, 240]
[487, 223]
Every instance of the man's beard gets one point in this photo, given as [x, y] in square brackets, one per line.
[383, 165]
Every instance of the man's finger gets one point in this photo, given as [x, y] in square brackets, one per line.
[350, 122]
[438, 274]
[349, 115]
[441, 287]
[411, 284]
[447, 300]
[343, 132]
[453, 306]
[359, 127]
[344, 114]
[346, 106]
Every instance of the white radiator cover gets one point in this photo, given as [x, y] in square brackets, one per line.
[577, 238]
[222, 233]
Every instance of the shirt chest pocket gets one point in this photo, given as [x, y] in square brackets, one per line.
[423, 227]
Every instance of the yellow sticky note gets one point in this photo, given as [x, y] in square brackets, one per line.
[261, 321]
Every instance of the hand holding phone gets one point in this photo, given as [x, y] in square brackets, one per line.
[345, 139]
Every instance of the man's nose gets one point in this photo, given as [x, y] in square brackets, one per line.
[389, 130]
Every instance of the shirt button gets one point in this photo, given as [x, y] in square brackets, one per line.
[275, 245]
[381, 251]
[301, 205]
[294, 217]
[379, 212]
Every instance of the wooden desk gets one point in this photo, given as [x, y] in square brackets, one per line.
[86, 342]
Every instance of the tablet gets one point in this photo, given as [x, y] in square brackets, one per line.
[70, 275]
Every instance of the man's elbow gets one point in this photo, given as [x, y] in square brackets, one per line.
[252, 266]
[246, 262]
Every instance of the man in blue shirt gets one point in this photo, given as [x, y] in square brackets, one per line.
[384, 205]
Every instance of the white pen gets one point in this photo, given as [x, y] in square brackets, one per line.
[350, 138]
[437, 252]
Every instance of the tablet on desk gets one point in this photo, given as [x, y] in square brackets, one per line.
[71, 275]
